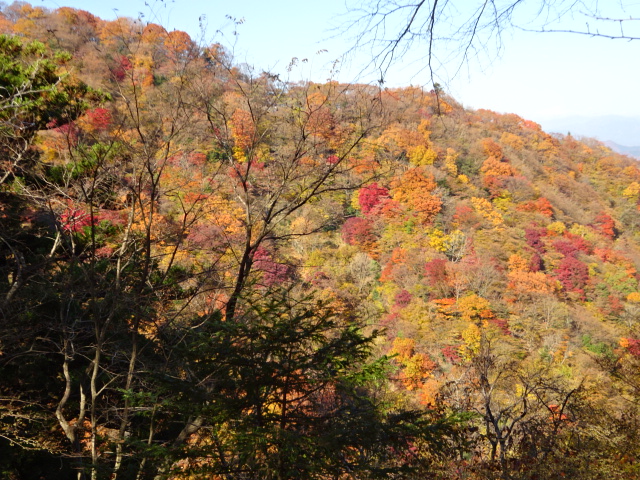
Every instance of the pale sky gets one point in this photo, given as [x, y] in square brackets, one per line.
[537, 76]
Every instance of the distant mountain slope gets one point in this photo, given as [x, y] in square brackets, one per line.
[619, 129]
[631, 151]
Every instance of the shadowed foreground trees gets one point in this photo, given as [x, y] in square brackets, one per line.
[287, 391]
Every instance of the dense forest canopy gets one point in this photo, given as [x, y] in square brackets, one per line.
[208, 272]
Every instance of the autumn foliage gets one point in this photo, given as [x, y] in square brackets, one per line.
[370, 197]
[208, 271]
[413, 189]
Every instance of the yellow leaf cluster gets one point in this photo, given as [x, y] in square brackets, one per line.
[403, 348]
[417, 367]
[169, 255]
[416, 370]
[547, 146]
[472, 308]
[632, 191]
[582, 231]
[422, 155]
[450, 162]
[631, 171]
[437, 240]
[243, 132]
[52, 144]
[143, 69]
[396, 137]
[227, 215]
[471, 336]
[633, 297]
[415, 143]
[418, 313]
[423, 128]
[442, 242]
[557, 228]
[503, 203]
[443, 106]
[518, 263]
[514, 141]
[486, 210]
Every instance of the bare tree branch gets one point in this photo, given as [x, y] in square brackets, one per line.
[437, 34]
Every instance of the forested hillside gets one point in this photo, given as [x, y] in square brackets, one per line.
[208, 272]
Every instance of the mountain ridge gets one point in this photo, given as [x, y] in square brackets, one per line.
[622, 130]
